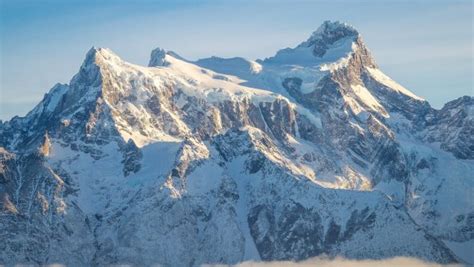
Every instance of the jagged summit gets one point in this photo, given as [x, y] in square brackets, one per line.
[328, 33]
[158, 57]
[99, 53]
[329, 27]
[331, 42]
[95, 59]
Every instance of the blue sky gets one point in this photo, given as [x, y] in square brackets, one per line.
[427, 46]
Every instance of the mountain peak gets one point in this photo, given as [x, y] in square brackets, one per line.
[158, 57]
[97, 56]
[95, 52]
[334, 29]
[331, 42]
[327, 34]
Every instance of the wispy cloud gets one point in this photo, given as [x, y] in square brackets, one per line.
[342, 262]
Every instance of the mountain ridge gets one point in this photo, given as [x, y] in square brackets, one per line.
[278, 159]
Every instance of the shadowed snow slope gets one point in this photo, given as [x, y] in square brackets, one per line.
[313, 151]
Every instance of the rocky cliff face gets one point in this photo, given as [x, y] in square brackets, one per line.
[313, 151]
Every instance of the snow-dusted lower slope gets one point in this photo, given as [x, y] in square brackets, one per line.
[313, 151]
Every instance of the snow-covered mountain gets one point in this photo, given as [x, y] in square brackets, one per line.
[312, 151]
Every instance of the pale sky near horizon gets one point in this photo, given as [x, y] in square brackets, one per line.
[427, 46]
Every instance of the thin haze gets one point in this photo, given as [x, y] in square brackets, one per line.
[342, 262]
[427, 46]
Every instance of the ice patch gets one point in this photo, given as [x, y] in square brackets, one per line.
[380, 77]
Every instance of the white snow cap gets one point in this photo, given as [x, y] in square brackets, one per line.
[328, 34]
[104, 52]
[158, 57]
[333, 30]
[331, 42]
[96, 54]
